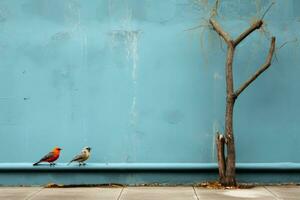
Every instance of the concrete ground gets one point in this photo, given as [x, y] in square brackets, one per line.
[149, 193]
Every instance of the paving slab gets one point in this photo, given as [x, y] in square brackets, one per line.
[158, 193]
[78, 194]
[257, 193]
[285, 192]
[17, 193]
[150, 193]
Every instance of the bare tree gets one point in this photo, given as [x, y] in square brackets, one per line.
[226, 159]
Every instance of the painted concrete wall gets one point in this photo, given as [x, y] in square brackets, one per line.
[127, 78]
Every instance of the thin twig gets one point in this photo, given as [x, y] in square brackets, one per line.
[217, 4]
[267, 10]
[286, 42]
[221, 44]
[265, 66]
[265, 33]
[214, 11]
[205, 20]
[196, 27]
[282, 45]
[275, 56]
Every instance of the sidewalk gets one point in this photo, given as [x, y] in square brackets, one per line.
[149, 193]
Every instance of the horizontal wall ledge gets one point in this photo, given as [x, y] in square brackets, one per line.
[15, 174]
[146, 166]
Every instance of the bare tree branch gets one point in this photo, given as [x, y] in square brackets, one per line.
[216, 26]
[247, 32]
[256, 25]
[265, 66]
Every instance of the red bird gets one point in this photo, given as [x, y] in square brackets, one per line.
[50, 157]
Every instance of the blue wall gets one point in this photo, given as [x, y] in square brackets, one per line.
[127, 78]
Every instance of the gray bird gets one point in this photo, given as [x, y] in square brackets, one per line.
[83, 156]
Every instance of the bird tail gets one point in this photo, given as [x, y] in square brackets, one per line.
[35, 164]
[70, 162]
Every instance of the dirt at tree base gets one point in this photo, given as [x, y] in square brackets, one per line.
[217, 185]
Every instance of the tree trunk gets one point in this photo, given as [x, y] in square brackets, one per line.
[226, 159]
[229, 178]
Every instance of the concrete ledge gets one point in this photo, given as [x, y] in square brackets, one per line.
[143, 173]
[146, 166]
[108, 167]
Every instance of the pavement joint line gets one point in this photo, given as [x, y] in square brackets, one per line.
[33, 194]
[195, 193]
[276, 197]
[119, 197]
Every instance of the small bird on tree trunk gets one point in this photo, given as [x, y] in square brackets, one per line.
[83, 156]
[50, 157]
